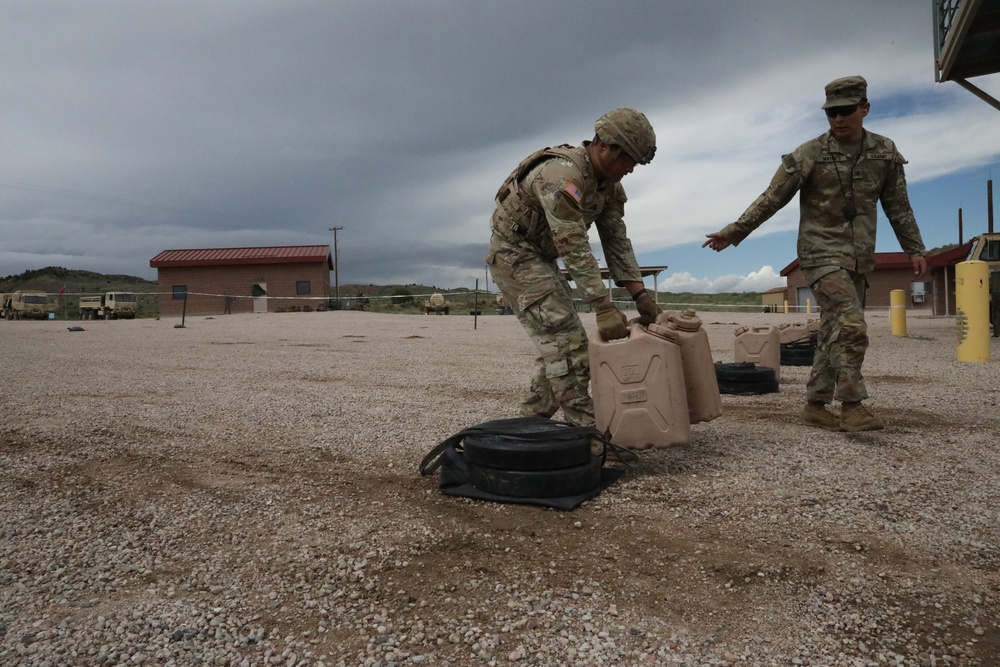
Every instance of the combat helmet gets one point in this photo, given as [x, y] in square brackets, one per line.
[629, 129]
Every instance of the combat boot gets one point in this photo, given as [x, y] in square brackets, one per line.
[816, 414]
[856, 417]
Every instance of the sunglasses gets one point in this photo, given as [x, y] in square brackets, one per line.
[847, 110]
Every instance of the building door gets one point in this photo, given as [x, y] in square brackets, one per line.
[802, 295]
[259, 293]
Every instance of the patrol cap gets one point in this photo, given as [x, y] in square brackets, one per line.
[846, 91]
[629, 129]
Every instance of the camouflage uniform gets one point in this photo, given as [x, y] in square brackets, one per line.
[835, 253]
[544, 211]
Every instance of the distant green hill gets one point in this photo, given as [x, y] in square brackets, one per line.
[54, 278]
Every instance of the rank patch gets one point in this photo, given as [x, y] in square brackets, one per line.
[573, 191]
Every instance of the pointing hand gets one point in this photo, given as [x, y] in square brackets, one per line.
[716, 241]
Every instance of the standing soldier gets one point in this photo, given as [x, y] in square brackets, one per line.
[840, 176]
[544, 211]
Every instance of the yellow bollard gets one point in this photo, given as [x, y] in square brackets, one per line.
[972, 304]
[786, 306]
[809, 305]
[897, 312]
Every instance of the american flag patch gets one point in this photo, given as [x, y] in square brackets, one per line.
[573, 191]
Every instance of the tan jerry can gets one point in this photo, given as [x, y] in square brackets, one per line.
[638, 389]
[702, 387]
[793, 333]
[760, 345]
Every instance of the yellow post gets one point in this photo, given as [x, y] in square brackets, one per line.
[972, 304]
[786, 306]
[897, 312]
[809, 305]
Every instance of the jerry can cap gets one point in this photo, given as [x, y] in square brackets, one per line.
[741, 330]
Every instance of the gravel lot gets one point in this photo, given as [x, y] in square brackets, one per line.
[244, 491]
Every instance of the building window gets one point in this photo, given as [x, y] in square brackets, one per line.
[180, 291]
[302, 287]
[991, 253]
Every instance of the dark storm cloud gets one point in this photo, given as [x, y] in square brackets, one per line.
[134, 127]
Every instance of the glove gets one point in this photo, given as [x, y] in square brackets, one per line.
[648, 310]
[611, 322]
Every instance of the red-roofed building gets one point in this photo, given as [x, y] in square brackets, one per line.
[932, 293]
[243, 280]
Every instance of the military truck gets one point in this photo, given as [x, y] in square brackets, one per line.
[986, 248]
[26, 304]
[436, 304]
[109, 306]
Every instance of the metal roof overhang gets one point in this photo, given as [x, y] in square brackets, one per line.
[967, 43]
[606, 273]
[643, 270]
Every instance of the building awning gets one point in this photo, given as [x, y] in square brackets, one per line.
[967, 43]
[646, 271]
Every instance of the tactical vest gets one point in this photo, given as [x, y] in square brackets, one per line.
[519, 218]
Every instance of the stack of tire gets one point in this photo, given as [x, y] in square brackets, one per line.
[745, 378]
[800, 352]
[515, 468]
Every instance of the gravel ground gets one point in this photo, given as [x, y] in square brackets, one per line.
[244, 491]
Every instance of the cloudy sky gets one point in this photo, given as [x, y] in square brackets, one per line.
[129, 128]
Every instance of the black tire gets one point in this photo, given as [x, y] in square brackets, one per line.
[496, 451]
[799, 353]
[797, 358]
[796, 361]
[743, 371]
[537, 483]
[748, 388]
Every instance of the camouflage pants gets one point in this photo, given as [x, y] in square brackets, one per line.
[843, 339]
[542, 302]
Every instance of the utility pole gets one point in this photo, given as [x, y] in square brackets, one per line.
[336, 275]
